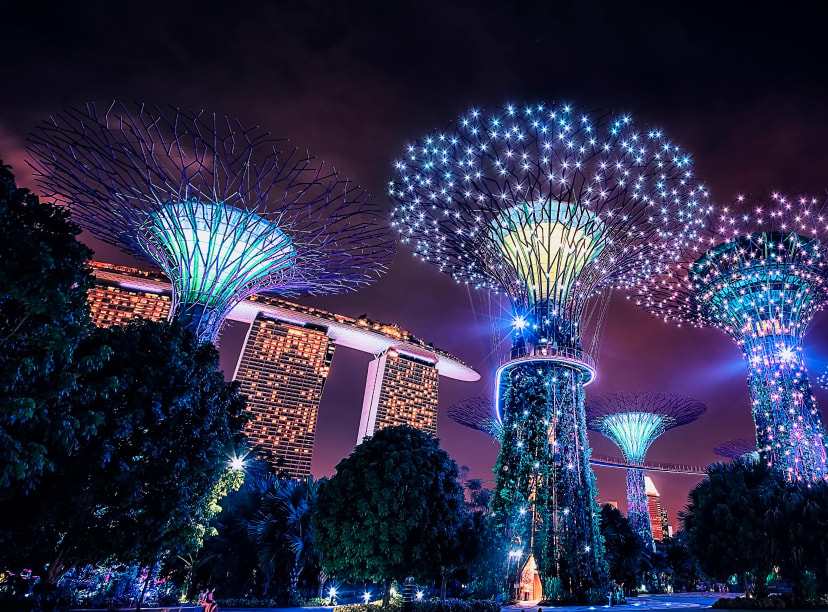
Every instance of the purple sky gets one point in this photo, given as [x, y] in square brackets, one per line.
[744, 91]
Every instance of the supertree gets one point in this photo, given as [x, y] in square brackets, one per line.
[553, 209]
[760, 276]
[218, 207]
[633, 421]
[477, 413]
[738, 448]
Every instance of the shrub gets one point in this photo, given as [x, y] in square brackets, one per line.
[774, 602]
[432, 605]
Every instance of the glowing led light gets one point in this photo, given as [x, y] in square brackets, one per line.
[237, 464]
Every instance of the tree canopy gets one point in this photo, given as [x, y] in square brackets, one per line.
[725, 522]
[43, 317]
[392, 510]
[149, 476]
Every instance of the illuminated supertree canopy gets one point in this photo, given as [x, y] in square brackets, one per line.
[220, 208]
[737, 448]
[760, 276]
[477, 413]
[633, 421]
[552, 208]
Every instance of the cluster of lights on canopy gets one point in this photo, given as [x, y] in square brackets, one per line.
[544, 204]
[217, 206]
[760, 275]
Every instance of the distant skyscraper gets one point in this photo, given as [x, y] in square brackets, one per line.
[282, 371]
[401, 390]
[658, 517]
[111, 305]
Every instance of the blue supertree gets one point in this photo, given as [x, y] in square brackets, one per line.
[220, 208]
[633, 421]
[477, 413]
[738, 448]
[552, 208]
[760, 275]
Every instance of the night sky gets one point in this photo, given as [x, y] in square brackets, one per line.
[743, 89]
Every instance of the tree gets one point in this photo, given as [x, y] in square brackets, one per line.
[627, 554]
[282, 530]
[228, 556]
[149, 477]
[726, 522]
[681, 565]
[392, 509]
[43, 317]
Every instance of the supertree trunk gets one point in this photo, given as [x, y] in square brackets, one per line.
[789, 431]
[544, 498]
[637, 511]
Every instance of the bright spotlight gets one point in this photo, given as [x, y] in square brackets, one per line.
[519, 323]
[237, 464]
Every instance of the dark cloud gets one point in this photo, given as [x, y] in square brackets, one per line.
[742, 89]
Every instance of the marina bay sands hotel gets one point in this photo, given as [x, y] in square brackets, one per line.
[285, 360]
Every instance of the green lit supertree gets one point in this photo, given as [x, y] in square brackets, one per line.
[552, 208]
[633, 421]
[223, 209]
[760, 275]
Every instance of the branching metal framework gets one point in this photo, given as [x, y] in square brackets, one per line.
[477, 413]
[633, 421]
[220, 208]
[760, 276]
[552, 208]
[737, 449]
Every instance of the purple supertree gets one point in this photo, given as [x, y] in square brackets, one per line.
[552, 208]
[738, 448]
[760, 275]
[477, 413]
[218, 207]
[633, 421]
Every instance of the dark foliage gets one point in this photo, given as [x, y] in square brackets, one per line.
[392, 510]
[747, 520]
[43, 317]
[146, 480]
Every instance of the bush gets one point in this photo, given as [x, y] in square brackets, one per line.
[239, 602]
[317, 601]
[432, 605]
[774, 602]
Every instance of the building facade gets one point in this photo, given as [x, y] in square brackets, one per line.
[282, 370]
[401, 389]
[658, 516]
[111, 305]
[285, 360]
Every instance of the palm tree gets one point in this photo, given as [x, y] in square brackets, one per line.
[626, 553]
[281, 529]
